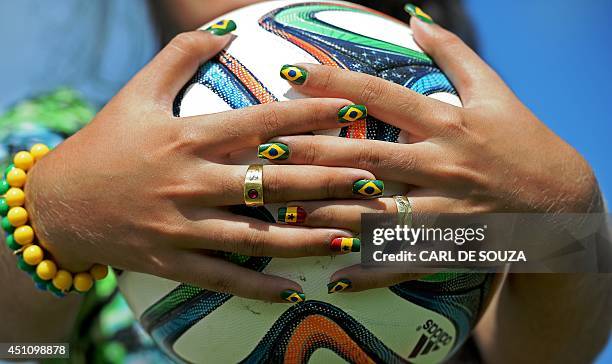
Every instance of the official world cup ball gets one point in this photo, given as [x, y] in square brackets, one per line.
[422, 321]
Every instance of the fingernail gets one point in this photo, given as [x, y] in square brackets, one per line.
[294, 74]
[417, 12]
[222, 27]
[369, 187]
[351, 113]
[291, 215]
[273, 151]
[339, 285]
[345, 245]
[292, 296]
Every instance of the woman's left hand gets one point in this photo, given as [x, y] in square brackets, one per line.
[492, 155]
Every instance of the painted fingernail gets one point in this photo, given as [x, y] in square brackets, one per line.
[369, 187]
[345, 245]
[417, 12]
[294, 74]
[273, 151]
[351, 113]
[292, 296]
[222, 27]
[291, 215]
[339, 285]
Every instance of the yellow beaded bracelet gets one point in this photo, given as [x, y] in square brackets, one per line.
[21, 238]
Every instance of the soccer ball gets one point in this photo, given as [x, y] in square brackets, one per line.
[422, 321]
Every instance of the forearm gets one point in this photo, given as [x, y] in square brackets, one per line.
[550, 318]
[30, 315]
[547, 318]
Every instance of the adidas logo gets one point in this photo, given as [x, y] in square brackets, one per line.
[432, 340]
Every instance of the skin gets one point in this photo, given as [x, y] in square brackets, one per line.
[467, 160]
[181, 218]
[450, 161]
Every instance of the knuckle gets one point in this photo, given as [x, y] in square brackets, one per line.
[327, 78]
[221, 283]
[368, 159]
[310, 155]
[270, 122]
[373, 91]
[185, 43]
[253, 243]
[273, 186]
[453, 124]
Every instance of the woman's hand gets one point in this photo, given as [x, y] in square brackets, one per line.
[141, 190]
[492, 155]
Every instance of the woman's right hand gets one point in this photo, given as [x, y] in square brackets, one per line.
[141, 190]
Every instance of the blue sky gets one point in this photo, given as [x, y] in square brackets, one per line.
[557, 57]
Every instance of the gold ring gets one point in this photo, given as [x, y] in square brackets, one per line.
[253, 186]
[404, 210]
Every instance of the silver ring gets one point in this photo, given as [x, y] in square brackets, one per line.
[404, 210]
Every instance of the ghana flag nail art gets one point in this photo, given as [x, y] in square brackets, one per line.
[291, 215]
[273, 151]
[416, 11]
[222, 27]
[351, 113]
[369, 187]
[339, 285]
[345, 245]
[294, 74]
[292, 296]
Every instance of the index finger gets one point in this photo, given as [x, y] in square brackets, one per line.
[393, 103]
[257, 124]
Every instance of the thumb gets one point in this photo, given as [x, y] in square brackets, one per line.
[470, 75]
[177, 62]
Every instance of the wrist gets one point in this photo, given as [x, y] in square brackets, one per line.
[43, 203]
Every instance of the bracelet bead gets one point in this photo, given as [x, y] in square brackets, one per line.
[23, 160]
[14, 197]
[21, 237]
[51, 288]
[4, 207]
[6, 225]
[33, 255]
[16, 177]
[11, 243]
[8, 169]
[4, 186]
[24, 235]
[17, 216]
[46, 269]
[83, 282]
[98, 271]
[38, 151]
[21, 263]
[62, 280]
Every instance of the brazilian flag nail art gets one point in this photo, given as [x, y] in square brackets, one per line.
[293, 296]
[294, 74]
[417, 12]
[369, 187]
[222, 27]
[345, 245]
[339, 285]
[351, 113]
[291, 215]
[273, 151]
